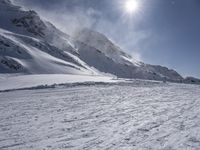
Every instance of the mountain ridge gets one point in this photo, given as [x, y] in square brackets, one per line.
[31, 45]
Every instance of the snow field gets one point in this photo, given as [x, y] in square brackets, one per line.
[114, 117]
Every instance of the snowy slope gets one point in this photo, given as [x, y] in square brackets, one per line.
[31, 45]
[28, 45]
[113, 60]
[26, 54]
[102, 43]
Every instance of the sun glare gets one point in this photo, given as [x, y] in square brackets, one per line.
[131, 6]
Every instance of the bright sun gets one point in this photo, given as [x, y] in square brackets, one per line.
[131, 6]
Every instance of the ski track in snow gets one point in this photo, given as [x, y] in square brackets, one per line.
[102, 117]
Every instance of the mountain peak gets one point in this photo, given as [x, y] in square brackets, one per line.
[105, 45]
[17, 20]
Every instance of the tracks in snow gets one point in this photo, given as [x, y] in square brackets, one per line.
[101, 117]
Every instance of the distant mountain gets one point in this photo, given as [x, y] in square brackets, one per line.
[31, 45]
[191, 80]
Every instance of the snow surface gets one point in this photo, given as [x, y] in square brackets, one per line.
[133, 116]
[9, 82]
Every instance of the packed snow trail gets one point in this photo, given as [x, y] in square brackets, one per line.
[102, 117]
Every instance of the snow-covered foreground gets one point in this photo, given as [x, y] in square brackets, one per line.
[104, 117]
[9, 82]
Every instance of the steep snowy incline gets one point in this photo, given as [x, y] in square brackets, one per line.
[126, 117]
[29, 55]
[98, 51]
[15, 19]
[31, 45]
[102, 43]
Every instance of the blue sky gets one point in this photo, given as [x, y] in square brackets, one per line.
[163, 32]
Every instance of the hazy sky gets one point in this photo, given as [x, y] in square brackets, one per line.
[164, 32]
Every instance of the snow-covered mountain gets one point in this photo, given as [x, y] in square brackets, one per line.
[29, 44]
[113, 60]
